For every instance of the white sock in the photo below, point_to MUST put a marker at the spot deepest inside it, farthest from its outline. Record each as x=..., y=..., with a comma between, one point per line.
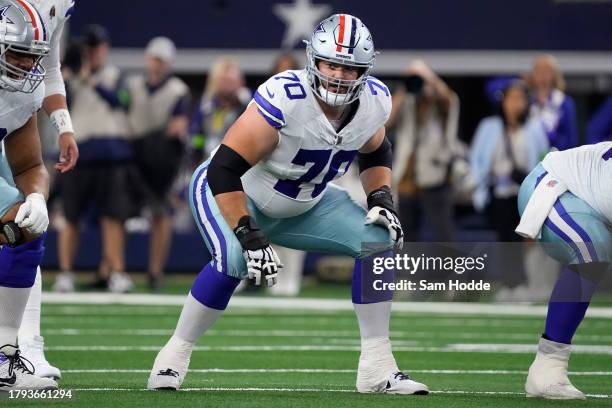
x=12, y=305
x=195, y=320
x=378, y=349
x=373, y=319
x=30, y=324
x=376, y=361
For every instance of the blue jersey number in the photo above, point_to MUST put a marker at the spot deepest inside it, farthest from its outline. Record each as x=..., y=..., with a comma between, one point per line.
x=372, y=84
x=293, y=89
x=607, y=155
x=319, y=160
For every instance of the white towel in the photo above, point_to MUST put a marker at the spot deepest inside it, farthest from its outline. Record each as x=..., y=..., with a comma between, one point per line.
x=540, y=203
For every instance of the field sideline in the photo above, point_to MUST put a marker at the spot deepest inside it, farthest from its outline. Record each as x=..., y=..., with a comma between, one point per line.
x=303, y=352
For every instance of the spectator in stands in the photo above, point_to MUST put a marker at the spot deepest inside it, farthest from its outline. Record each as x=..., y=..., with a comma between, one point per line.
x=284, y=62
x=158, y=118
x=555, y=109
x=103, y=173
x=504, y=149
x=424, y=116
x=225, y=98
x=599, y=128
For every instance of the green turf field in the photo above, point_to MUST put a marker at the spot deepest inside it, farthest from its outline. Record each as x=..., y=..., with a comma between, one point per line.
x=295, y=358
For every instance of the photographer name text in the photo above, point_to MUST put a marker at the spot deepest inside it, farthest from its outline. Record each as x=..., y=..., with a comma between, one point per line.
x=423, y=284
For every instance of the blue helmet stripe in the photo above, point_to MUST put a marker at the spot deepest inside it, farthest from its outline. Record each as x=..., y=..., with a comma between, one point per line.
x=353, y=32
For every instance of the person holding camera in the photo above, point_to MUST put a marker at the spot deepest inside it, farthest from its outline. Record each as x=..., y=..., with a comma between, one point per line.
x=424, y=116
x=505, y=148
x=554, y=108
x=104, y=177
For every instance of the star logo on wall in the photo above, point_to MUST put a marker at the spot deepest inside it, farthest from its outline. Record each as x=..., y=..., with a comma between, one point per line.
x=300, y=18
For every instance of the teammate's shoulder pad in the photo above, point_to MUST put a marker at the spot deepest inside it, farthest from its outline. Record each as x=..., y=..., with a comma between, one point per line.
x=67, y=8
x=277, y=97
x=38, y=96
x=380, y=94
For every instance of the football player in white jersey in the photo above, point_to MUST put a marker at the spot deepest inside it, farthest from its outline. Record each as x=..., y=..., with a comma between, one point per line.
x=54, y=14
x=268, y=182
x=24, y=183
x=566, y=203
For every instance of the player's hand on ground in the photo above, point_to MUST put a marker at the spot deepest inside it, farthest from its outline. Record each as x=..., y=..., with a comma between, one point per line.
x=32, y=214
x=263, y=263
x=69, y=152
x=261, y=260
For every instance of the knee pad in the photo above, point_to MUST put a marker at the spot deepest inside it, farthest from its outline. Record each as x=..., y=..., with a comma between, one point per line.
x=369, y=286
x=212, y=288
x=18, y=264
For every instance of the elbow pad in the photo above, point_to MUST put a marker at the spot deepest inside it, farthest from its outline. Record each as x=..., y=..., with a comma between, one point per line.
x=225, y=170
x=383, y=156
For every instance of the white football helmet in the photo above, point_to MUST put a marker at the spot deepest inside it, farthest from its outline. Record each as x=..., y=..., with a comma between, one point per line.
x=22, y=32
x=341, y=39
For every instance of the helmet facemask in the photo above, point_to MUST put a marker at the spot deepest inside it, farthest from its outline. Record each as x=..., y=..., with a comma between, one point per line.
x=320, y=83
x=15, y=79
x=344, y=40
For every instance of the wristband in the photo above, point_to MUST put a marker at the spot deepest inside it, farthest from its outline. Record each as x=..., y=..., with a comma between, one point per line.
x=381, y=197
x=11, y=232
x=249, y=235
x=61, y=120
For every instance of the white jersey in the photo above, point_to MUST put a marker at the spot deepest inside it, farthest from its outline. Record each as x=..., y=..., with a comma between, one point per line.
x=310, y=153
x=587, y=172
x=16, y=108
x=54, y=14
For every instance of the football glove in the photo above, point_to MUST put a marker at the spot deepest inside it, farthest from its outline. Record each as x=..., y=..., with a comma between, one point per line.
x=261, y=259
x=32, y=214
x=381, y=211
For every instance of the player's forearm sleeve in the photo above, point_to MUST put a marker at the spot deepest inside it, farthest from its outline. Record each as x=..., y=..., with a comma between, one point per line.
x=225, y=170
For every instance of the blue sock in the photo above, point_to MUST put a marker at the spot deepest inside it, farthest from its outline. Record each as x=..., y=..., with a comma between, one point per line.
x=365, y=281
x=568, y=304
x=213, y=288
x=18, y=264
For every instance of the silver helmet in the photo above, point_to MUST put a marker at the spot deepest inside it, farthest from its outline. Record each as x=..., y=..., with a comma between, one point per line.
x=22, y=32
x=340, y=39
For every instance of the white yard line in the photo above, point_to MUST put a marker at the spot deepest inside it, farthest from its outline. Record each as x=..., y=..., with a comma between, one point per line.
x=528, y=335
x=325, y=371
x=450, y=348
x=310, y=304
x=264, y=389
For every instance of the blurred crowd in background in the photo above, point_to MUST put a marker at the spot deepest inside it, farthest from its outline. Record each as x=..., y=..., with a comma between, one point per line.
x=140, y=135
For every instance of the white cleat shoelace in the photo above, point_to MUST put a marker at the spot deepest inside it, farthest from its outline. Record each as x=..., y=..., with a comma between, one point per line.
x=17, y=373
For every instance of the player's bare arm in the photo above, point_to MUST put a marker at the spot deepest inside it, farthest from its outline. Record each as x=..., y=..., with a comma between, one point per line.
x=248, y=141
x=375, y=158
x=252, y=138
x=56, y=107
x=24, y=154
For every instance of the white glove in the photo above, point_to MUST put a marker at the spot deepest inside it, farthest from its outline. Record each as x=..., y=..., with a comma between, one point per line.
x=262, y=262
x=384, y=217
x=32, y=214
